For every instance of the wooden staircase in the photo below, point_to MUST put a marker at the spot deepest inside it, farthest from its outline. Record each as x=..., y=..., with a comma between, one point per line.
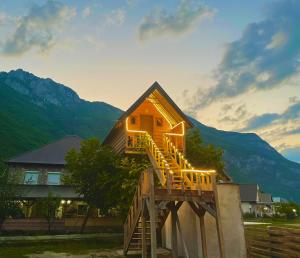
x=149, y=210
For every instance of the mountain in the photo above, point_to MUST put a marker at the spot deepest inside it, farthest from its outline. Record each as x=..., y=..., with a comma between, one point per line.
x=35, y=111
x=249, y=159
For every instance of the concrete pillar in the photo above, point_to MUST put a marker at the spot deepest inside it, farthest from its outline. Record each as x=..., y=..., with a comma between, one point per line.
x=230, y=220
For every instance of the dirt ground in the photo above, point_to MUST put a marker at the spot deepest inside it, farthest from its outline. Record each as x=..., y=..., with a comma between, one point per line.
x=97, y=254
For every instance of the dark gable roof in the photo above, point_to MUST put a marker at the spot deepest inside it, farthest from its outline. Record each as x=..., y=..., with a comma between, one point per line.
x=50, y=154
x=153, y=87
x=265, y=197
x=248, y=192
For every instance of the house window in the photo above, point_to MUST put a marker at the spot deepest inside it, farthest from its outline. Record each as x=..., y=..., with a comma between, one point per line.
x=133, y=120
x=159, y=122
x=53, y=178
x=31, y=177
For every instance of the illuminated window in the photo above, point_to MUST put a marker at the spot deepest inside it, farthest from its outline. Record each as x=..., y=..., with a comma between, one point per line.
x=132, y=120
x=31, y=177
x=159, y=122
x=53, y=178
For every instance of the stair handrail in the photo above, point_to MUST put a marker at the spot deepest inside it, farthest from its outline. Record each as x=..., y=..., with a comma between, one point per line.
x=187, y=170
x=178, y=157
x=133, y=213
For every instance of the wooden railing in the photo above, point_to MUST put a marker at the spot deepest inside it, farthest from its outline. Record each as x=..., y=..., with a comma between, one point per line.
x=134, y=213
x=273, y=241
x=196, y=179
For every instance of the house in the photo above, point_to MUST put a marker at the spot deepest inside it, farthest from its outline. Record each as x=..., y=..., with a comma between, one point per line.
x=40, y=172
x=176, y=203
x=256, y=202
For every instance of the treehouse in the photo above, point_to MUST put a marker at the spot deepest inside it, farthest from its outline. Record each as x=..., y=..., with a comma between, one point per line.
x=154, y=115
x=173, y=194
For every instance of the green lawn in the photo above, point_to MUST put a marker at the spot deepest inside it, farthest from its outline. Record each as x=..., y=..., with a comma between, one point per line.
x=292, y=223
x=22, y=249
x=98, y=247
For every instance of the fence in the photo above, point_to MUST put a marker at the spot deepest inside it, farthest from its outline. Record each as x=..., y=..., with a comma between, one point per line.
x=62, y=225
x=273, y=242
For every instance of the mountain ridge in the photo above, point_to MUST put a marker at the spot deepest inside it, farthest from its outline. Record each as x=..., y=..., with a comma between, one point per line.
x=35, y=111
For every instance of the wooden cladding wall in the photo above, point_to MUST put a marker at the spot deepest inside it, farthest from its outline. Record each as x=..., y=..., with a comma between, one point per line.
x=273, y=242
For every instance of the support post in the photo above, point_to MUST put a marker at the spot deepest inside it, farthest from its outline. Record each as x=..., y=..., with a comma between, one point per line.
x=218, y=221
x=144, y=243
x=174, y=230
x=203, y=237
x=185, y=248
x=151, y=209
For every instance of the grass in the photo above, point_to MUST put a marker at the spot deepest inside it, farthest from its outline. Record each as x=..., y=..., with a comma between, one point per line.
x=100, y=247
x=22, y=249
x=280, y=222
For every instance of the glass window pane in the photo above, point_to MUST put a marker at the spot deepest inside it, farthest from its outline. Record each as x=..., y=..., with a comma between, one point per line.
x=53, y=178
x=31, y=177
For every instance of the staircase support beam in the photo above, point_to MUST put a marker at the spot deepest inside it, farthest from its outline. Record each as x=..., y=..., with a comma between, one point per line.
x=144, y=241
x=151, y=209
x=174, y=230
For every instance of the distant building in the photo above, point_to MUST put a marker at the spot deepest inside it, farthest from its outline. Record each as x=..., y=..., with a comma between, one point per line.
x=40, y=172
x=256, y=202
x=278, y=199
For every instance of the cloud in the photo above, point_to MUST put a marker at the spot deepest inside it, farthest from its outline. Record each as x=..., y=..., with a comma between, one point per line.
x=292, y=153
x=294, y=131
x=86, y=12
x=261, y=121
x=159, y=23
x=115, y=17
x=38, y=29
x=239, y=114
x=265, y=57
x=293, y=99
x=3, y=17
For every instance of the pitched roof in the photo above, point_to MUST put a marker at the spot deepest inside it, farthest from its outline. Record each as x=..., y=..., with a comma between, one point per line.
x=51, y=154
x=265, y=197
x=153, y=87
x=248, y=192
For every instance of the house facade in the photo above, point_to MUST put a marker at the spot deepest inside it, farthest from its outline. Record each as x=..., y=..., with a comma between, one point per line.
x=40, y=172
x=176, y=205
x=255, y=202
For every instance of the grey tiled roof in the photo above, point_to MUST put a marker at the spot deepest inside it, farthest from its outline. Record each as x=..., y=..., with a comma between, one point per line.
x=248, y=192
x=50, y=154
x=265, y=197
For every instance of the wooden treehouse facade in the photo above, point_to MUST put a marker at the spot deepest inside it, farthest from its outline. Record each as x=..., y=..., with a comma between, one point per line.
x=156, y=127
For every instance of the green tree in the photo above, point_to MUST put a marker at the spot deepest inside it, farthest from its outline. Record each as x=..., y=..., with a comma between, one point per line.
x=204, y=156
x=93, y=171
x=289, y=209
x=130, y=171
x=9, y=193
x=49, y=207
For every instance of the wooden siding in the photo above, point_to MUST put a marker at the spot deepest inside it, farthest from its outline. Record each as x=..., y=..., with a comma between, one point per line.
x=273, y=242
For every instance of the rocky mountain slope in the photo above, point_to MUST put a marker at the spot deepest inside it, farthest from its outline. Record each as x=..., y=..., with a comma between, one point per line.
x=35, y=111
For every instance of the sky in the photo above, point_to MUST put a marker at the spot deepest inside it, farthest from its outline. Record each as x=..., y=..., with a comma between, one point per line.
x=233, y=65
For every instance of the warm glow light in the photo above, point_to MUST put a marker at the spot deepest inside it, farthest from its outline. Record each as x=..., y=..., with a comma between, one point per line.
x=199, y=171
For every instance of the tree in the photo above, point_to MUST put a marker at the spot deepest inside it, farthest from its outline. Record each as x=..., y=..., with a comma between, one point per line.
x=289, y=209
x=9, y=206
x=204, y=156
x=93, y=171
x=130, y=169
x=49, y=207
